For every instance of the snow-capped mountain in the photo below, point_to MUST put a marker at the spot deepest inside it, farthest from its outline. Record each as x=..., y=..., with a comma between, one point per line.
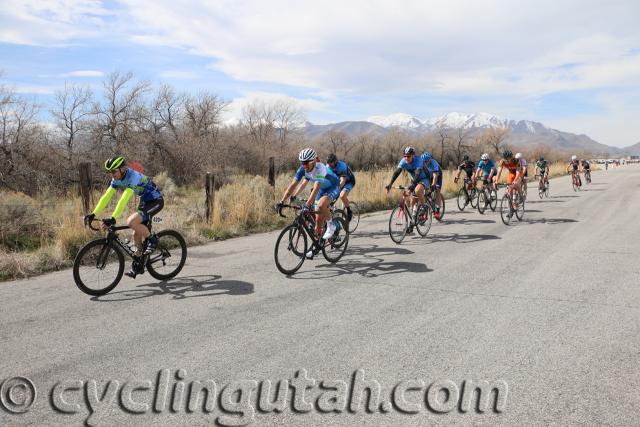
x=397, y=120
x=520, y=132
x=457, y=120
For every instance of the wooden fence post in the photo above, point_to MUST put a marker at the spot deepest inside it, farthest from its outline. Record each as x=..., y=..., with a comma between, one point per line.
x=85, y=185
x=272, y=172
x=209, y=191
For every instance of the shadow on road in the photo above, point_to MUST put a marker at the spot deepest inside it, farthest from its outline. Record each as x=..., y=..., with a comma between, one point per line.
x=467, y=221
x=594, y=189
x=453, y=237
x=365, y=261
x=548, y=221
x=546, y=201
x=562, y=197
x=181, y=288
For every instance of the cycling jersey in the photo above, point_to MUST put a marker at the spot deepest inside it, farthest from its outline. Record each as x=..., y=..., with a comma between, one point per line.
x=575, y=164
x=512, y=164
x=431, y=166
x=142, y=185
x=486, y=166
x=586, y=165
x=343, y=170
x=467, y=166
x=134, y=183
x=415, y=168
x=542, y=166
x=329, y=182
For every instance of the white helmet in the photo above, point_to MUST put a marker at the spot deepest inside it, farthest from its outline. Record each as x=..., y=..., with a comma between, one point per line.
x=574, y=157
x=518, y=155
x=485, y=156
x=307, y=154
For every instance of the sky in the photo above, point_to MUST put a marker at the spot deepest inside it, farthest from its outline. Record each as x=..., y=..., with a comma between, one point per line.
x=572, y=65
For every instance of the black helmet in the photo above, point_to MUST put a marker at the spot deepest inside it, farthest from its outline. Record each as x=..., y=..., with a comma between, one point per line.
x=465, y=157
x=507, y=154
x=332, y=158
x=541, y=158
x=409, y=150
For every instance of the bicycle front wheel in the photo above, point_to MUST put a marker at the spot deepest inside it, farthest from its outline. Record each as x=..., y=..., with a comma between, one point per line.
x=398, y=224
x=291, y=249
x=425, y=218
x=519, y=211
x=494, y=200
x=169, y=257
x=462, y=199
x=482, y=201
x=98, y=267
x=506, y=211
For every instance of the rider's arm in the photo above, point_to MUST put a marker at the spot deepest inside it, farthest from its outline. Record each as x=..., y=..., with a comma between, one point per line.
x=312, y=196
x=104, y=200
x=300, y=188
x=122, y=203
x=343, y=181
x=395, y=176
x=289, y=189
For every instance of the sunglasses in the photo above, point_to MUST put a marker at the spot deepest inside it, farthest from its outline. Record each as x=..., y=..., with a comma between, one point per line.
x=407, y=155
x=306, y=162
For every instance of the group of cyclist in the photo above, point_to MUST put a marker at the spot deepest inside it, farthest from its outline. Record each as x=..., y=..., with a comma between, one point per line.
x=332, y=180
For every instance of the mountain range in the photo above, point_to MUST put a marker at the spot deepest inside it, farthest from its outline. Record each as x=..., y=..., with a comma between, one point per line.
x=522, y=133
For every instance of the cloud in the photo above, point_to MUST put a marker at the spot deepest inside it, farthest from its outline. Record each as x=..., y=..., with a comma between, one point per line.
x=83, y=73
x=389, y=46
x=35, y=89
x=51, y=22
x=234, y=111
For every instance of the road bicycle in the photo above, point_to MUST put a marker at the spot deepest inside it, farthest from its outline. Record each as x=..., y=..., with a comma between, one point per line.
x=575, y=181
x=99, y=264
x=487, y=197
x=587, y=175
x=402, y=221
x=512, y=204
x=468, y=194
x=431, y=201
x=292, y=244
x=543, y=187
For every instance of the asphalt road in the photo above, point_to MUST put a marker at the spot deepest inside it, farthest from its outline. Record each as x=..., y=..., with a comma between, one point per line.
x=547, y=310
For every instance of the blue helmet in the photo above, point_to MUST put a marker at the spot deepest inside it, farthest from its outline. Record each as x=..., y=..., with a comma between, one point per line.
x=426, y=156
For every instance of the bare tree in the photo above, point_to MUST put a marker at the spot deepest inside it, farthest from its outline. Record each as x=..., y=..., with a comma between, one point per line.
x=203, y=114
x=72, y=109
x=495, y=138
x=460, y=139
x=442, y=137
x=289, y=117
x=123, y=108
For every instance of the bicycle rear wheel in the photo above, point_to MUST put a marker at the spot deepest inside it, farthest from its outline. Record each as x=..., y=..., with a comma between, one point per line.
x=355, y=216
x=398, y=224
x=169, y=257
x=506, y=211
x=425, y=218
x=290, y=250
x=98, y=267
x=473, y=198
x=334, y=248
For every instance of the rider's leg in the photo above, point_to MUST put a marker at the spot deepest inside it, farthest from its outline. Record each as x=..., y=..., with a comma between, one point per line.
x=140, y=231
x=344, y=197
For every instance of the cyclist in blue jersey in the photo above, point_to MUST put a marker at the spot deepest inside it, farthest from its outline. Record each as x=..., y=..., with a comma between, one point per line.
x=151, y=202
x=326, y=188
x=487, y=167
x=415, y=166
x=347, y=180
x=434, y=172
